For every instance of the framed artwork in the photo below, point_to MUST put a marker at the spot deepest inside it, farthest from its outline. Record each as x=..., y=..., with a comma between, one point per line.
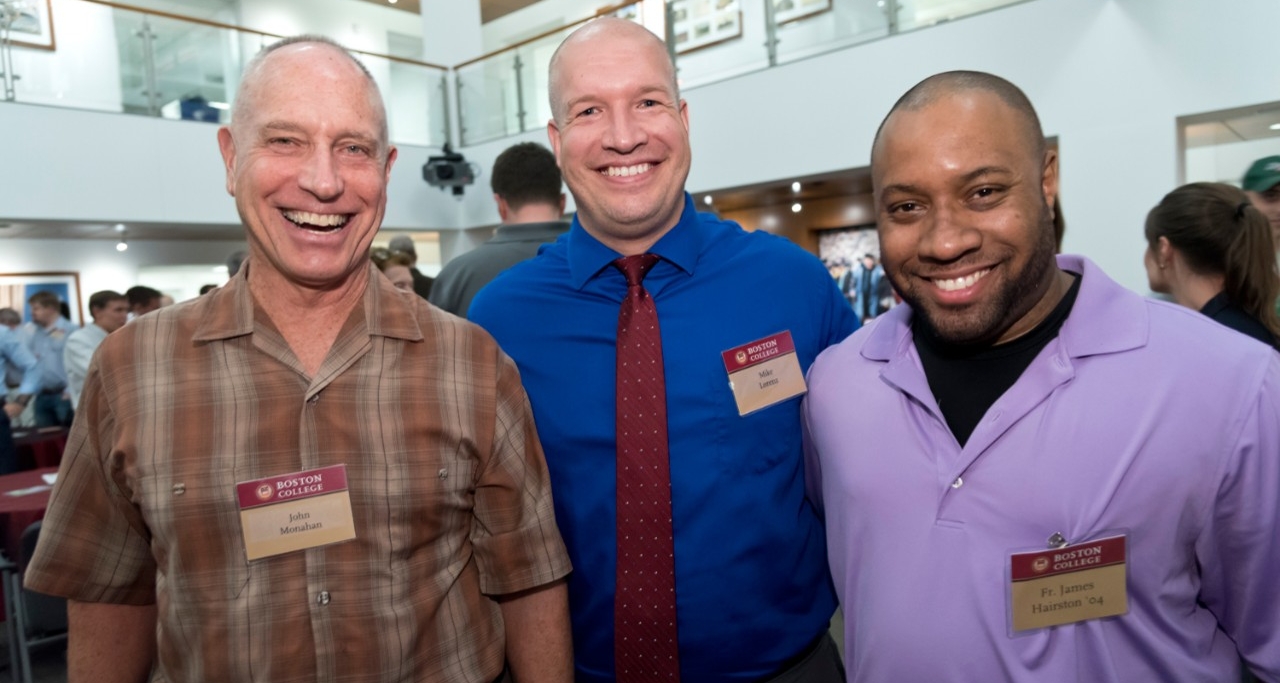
x=16, y=288
x=633, y=12
x=34, y=25
x=699, y=23
x=790, y=10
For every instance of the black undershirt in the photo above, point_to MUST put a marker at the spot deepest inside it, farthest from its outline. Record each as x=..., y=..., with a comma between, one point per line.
x=966, y=381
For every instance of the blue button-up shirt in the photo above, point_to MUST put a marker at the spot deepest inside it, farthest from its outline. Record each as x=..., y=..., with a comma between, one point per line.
x=751, y=586
x=18, y=361
x=47, y=345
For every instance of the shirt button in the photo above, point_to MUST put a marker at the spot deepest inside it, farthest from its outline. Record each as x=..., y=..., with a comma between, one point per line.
x=322, y=598
x=314, y=399
x=957, y=483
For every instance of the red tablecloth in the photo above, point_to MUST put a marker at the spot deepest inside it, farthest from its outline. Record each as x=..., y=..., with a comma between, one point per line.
x=18, y=512
x=39, y=447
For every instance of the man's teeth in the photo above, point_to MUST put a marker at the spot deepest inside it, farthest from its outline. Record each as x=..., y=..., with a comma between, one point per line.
x=622, y=171
x=320, y=220
x=959, y=283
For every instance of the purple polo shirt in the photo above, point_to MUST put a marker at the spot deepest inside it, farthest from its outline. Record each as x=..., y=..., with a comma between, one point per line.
x=1141, y=418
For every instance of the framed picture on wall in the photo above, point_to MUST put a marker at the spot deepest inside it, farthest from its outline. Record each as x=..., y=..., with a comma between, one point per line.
x=16, y=288
x=699, y=23
x=33, y=26
x=790, y=10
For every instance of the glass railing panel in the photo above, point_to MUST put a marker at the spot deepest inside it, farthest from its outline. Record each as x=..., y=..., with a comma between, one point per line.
x=913, y=14
x=414, y=99
x=810, y=27
x=114, y=58
x=188, y=66
x=535, y=58
x=488, y=103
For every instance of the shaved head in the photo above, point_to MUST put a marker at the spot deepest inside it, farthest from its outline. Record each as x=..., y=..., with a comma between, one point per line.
x=248, y=91
x=950, y=83
x=604, y=28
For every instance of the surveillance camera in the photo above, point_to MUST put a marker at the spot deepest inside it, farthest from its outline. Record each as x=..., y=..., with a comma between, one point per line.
x=450, y=170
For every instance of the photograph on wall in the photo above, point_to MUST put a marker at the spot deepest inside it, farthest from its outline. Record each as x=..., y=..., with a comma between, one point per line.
x=631, y=13
x=699, y=23
x=852, y=256
x=17, y=288
x=790, y=10
x=33, y=25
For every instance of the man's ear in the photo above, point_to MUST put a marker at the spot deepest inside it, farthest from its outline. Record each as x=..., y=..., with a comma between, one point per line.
x=227, y=145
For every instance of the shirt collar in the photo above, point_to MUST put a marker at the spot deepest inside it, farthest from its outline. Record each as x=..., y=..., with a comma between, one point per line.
x=230, y=309
x=1106, y=318
x=680, y=246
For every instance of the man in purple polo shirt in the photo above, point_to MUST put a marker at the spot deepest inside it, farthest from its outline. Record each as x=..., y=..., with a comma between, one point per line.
x=1030, y=473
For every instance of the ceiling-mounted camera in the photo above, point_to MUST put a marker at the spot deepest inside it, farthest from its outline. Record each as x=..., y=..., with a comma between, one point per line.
x=450, y=170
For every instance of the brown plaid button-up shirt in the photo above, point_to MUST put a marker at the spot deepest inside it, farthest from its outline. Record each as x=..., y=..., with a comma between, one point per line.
x=448, y=488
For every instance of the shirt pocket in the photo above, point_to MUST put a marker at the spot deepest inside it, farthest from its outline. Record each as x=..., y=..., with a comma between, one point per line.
x=757, y=442
x=196, y=539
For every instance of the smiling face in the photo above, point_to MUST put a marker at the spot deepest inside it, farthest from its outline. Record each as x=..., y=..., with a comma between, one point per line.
x=308, y=163
x=966, y=230
x=620, y=133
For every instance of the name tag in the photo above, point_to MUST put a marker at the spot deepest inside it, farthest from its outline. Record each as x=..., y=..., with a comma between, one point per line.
x=295, y=511
x=764, y=372
x=1068, y=585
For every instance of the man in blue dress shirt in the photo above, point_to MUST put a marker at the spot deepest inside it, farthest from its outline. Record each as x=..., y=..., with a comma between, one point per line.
x=15, y=359
x=752, y=596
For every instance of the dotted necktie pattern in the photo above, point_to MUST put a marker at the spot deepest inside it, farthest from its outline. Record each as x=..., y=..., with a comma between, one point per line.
x=645, y=603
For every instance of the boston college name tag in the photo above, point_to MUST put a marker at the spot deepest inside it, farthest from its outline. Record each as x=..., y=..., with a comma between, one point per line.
x=1069, y=584
x=295, y=511
x=764, y=372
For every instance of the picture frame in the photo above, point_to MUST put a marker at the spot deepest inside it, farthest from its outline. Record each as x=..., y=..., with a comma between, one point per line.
x=701, y=23
x=786, y=11
x=34, y=27
x=16, y=288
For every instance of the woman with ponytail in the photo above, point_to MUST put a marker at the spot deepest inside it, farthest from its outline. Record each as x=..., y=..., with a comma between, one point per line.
x=1212, y=251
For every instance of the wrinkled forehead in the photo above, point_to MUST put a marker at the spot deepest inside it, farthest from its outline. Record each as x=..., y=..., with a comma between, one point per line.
x=305, y=77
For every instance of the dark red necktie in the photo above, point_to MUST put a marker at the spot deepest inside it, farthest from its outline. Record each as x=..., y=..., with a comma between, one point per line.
x=644, y=618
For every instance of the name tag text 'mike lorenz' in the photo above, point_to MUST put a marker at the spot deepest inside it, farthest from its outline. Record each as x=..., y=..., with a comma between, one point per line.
x=295, y=511
x=764, y=372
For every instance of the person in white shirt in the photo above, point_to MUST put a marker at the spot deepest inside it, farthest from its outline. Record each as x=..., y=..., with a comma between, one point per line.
x=110, y=311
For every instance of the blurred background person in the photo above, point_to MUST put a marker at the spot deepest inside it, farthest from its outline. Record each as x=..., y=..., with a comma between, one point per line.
x=142, y=300
x=526, y=186
x=1211, y=250
x=110, y=311
x=46, y=337
x=396, y=266
x=421, y=283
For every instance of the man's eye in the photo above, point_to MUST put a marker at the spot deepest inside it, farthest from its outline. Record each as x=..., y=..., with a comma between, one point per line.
x=649, y=103
x=588, y=111
x=903, y=207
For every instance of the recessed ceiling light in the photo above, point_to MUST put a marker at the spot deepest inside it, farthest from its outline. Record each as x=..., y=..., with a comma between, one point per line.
x=795, y=187
x=707, y=200
x=795, y=208
x=1274, y=126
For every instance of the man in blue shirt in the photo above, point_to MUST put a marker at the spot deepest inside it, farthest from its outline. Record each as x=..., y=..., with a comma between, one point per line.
x=15, y=358
x=46, y=338
x=752, y=597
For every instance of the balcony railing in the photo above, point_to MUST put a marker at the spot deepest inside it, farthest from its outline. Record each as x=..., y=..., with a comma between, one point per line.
x=115, y=57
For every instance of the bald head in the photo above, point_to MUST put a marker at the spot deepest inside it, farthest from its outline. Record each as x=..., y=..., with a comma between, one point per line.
x=611, y=29
x=259, y=69
x=953, y=83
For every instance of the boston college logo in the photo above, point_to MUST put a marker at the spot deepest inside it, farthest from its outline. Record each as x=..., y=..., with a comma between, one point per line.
x=1040, y=564
x=265, y=491
x=741, y=356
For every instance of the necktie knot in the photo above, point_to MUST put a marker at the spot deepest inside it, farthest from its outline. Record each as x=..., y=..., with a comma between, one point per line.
x=636, y=267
